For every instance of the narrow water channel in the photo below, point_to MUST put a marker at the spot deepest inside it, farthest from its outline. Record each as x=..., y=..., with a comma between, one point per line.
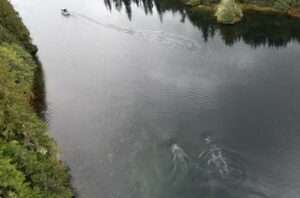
x=151, y=100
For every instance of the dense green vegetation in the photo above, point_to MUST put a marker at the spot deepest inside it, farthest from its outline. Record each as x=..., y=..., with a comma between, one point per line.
x=29, y=166
x=228, y=12
x=12, y=29
x=282, y=8
x=286, y=5
x=280, y=5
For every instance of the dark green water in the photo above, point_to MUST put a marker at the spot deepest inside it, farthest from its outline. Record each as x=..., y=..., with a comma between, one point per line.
x=126, y=82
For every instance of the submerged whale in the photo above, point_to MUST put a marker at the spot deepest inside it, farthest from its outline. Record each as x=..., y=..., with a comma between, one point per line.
x=216, y=159
x=221, y=163
x=180, y=163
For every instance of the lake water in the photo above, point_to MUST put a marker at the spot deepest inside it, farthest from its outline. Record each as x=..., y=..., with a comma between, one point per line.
x=136, y=92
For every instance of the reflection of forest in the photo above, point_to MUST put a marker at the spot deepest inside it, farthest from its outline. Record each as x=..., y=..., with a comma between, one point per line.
x=256, y=29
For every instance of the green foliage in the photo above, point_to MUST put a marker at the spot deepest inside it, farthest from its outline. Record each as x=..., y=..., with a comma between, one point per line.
x=228, y=12
x=12, y=29
x=195, y=3
x=26, y=151
x=28, y=164
x=285, y=5
x=12, y=182
x=42, y=172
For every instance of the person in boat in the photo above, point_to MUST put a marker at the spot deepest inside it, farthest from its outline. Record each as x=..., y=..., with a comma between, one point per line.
x=65, y=12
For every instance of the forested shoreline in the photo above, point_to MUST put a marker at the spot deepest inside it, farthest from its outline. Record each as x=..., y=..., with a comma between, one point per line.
x=257, y=28
x=29, y=167
x=224, y=11
x=231, y=11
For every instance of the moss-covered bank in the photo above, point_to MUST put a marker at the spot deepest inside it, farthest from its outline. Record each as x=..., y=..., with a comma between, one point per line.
x=280, y=7
x=29, y=166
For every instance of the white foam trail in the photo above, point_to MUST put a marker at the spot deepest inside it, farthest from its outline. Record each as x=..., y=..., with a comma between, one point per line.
x=167, y=39
x=97, y=22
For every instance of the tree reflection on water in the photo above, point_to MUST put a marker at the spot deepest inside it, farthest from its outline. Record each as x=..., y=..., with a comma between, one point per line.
x=256, y=29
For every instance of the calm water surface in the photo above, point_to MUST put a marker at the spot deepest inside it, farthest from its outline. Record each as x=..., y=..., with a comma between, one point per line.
x=136, y=92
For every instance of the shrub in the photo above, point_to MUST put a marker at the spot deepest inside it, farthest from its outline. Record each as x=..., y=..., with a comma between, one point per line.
x=228, y=12
x=285, y=5
x=13, y=25
x=28, y=164
x=12, y=182
x=26, y=150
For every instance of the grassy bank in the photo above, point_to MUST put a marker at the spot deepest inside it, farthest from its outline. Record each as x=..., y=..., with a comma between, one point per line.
x=281, y=7
x=28, y=164
x=246, y=7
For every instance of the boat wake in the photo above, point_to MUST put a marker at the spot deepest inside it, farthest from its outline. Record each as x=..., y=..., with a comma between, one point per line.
x=170, y=40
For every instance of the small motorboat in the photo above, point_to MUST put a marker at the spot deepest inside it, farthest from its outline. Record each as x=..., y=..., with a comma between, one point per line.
x=65, y=12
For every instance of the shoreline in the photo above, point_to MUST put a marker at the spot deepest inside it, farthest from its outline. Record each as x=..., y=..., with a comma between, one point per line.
x=246, y=7
x=28, y=154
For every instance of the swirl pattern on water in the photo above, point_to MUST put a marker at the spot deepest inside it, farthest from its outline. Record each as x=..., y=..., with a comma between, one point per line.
x=223, y=164
x=214, y=162
x=217, y=172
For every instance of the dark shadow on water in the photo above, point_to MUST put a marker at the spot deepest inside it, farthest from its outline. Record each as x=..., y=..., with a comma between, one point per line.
x=256, y=29
x=39, y=99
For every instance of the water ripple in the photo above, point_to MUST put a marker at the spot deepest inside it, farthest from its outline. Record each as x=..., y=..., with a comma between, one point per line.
x=167, y=39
